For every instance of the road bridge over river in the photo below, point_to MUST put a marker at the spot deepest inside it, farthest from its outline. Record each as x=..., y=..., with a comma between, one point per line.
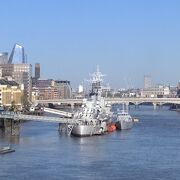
x=137, y=101
x=127, y=101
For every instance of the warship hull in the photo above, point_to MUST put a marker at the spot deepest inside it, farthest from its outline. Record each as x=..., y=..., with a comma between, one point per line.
x=86, y=130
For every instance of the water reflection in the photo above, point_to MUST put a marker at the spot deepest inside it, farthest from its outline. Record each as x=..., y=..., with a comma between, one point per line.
x=8, y=139
x=124, y=134
x=147, y=151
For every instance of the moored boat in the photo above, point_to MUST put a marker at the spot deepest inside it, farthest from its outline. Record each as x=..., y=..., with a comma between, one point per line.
x=124, y=120
x=5, y=150
x=111, y=127
x=94, y=114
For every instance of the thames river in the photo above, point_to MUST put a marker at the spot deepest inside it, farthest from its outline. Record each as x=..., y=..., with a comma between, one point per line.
x=149, y=151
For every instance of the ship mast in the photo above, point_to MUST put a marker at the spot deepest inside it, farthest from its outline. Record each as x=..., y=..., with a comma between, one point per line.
x=96, y=80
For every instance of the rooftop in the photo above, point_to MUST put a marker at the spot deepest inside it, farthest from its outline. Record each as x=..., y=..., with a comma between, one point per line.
x=6, y=82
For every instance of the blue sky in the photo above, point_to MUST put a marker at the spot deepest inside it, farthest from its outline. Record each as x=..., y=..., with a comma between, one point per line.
x=127, y=38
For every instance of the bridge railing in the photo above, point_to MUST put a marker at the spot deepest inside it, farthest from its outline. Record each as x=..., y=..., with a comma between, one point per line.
x=20, y=116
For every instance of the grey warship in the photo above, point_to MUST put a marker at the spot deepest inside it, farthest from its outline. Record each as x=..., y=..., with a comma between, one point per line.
x=94, y=114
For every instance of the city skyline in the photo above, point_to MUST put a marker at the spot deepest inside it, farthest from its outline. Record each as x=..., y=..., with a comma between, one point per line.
x=127, y=39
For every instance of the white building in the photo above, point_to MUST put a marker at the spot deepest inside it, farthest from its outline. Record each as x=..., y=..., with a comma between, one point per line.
x=158, y=91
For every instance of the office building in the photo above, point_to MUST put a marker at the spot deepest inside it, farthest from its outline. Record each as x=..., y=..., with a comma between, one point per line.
x=17, y=55
x=156, y=92
x=64, y=89
x=37, y=71
x=21, y=73
x=178, y=90
x=44, y=89
x=147, y=82
x=4, y=58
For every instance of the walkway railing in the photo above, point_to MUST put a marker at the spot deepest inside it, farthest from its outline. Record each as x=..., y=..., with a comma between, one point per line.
x=19, y=116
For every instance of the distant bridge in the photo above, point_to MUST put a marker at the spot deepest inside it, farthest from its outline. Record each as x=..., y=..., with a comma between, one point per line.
x=135, y=101
x=71, y=102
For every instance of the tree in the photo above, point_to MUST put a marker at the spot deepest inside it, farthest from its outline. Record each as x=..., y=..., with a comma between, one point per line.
x=24, y=101
x=13, y=106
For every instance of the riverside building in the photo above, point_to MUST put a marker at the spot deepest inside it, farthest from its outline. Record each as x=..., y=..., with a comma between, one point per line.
x=21, y=73
x=64, y=89
x=10, y=91
x=44, y=89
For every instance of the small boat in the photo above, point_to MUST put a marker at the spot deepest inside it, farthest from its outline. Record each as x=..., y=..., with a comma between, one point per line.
x=6, y=149
x=111, y=127
x=136, y=120
x=124, y=120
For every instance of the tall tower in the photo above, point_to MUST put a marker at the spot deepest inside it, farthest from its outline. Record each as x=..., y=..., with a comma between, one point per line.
x=147, y=82
x=178, y=90
x=17, y=55
x=37, y=71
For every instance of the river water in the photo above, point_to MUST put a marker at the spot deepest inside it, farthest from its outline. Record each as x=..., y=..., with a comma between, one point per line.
x=149, y=151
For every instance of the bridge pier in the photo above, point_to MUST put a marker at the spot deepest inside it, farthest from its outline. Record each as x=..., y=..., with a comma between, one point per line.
x=155, y=106
x=72, y=106
x=136, y=105
x=62, y=127
x=10, y=127
x=127, y=105
x=160, y=105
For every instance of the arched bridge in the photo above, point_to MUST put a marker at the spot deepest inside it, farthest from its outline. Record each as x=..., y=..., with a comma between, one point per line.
x=138, y=101
x=135, y=101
